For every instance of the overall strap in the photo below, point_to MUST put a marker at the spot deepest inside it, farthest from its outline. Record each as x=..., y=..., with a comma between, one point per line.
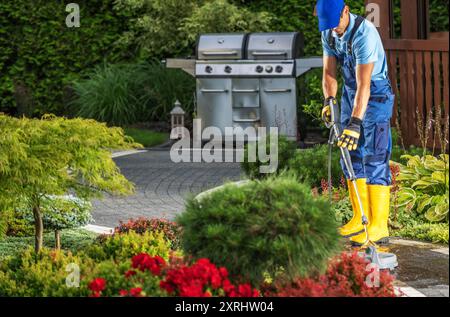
x=358, y=22
x=331, y=40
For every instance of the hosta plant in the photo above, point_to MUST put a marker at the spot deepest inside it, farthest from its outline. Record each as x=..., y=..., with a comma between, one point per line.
x=424, y=186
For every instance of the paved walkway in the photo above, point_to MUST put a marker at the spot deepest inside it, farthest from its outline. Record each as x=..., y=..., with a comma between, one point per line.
x=161, y=186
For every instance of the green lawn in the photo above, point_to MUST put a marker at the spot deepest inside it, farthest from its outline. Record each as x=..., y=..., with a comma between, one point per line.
x=145, y=137
x=73, y=239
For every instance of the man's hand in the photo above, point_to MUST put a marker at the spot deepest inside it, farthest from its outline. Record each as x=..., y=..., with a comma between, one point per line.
x=326, y=111
x=350, y=137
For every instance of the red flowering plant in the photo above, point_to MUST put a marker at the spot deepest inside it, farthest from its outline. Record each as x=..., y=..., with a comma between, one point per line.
x=152, y=276
x=123, y=279
x=338, y=191
x=96, y=286
x=203, y=279
x=171, y=230
x=348, y=275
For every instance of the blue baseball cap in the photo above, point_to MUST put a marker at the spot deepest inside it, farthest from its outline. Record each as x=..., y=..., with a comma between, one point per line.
x=329, y=13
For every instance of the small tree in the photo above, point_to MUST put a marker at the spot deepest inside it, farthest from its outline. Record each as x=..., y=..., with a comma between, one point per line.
x=60, y=212
x=55, y=156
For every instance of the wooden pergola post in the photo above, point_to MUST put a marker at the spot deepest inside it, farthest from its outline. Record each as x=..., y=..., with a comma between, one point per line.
x=415, y=19
x=386, y=18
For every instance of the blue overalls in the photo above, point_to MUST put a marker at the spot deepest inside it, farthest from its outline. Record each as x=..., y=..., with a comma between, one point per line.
x=371, y=159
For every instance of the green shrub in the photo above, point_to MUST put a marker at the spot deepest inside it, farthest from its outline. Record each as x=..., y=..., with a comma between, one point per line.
x=170, y=229
x=109, y=95
x=124, y=246
x=19, y=226
x=431, y=232
x=342, y=210
x=262, y=226
x=73, y=240
x=286, y=150
x=311, y=165
x=60, y=212
x=43, y=274
x=168, y=28
x=124, y=94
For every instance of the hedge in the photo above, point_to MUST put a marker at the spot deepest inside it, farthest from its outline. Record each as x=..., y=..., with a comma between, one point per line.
x=40, y=55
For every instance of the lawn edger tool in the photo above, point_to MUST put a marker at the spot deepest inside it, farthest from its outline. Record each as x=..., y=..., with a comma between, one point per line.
x=383, y=260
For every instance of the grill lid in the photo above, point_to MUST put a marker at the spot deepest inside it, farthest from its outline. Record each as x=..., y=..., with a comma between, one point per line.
x=221, y=46
x=280, y=45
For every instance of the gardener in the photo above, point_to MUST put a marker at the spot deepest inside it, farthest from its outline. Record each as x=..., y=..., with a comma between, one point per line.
x=366, y=109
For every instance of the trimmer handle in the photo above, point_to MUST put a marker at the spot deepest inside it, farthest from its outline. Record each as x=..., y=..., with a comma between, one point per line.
x=335, y=124
x=335, y=116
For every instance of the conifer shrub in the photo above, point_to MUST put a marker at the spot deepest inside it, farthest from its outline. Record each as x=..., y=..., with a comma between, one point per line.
x=261, y=227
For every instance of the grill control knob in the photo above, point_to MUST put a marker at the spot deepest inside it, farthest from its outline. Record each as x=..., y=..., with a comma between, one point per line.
x=269, y=69
x=228, y=69
x=208, y=69
x=279, y=69
x=259, y=69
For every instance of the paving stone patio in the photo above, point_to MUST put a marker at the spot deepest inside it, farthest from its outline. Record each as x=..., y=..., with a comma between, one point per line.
x=161, y=186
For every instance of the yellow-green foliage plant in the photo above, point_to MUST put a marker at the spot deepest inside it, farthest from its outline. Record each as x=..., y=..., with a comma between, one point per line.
x=424, y=186
x=47, y=273
x=124, y=246
x=58, y=156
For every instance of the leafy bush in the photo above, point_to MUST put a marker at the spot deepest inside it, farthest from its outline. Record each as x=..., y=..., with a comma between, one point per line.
x=73, y=240
x=124, y=94
x=123, y=246
x=40, y=55
x=424, y=186
x=342, y=210
x=42, y=274
x=432, y=232
x=260, y=227
x=60, y=212
x=170, y=229
x=311, y=165
x=286, y=150
x=345, y=277
x=161, y=33
x=18, y=226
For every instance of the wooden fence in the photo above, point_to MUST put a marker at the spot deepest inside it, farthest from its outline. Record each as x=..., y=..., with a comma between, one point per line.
x=419, y=74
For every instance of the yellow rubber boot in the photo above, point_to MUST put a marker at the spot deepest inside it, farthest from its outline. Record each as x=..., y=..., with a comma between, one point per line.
x=354, y=226
x=379, y=198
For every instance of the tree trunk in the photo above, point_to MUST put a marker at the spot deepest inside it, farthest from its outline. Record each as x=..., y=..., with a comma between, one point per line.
x=38, y=229
x=57, y=240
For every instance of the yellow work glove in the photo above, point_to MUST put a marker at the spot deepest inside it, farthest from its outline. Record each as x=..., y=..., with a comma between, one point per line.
x=326, y=111
x=350, y=137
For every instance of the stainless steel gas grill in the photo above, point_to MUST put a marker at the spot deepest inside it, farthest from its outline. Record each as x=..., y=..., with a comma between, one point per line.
x=248, y=80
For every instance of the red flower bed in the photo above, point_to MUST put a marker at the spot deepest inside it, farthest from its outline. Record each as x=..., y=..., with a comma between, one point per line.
x=201, y=279
x=347, y=276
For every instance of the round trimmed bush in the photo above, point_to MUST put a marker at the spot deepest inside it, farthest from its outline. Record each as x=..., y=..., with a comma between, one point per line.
x=286, y=150
x=262, y=227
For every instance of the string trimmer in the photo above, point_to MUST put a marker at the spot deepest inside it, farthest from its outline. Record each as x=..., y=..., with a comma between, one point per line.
x=382, y=259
